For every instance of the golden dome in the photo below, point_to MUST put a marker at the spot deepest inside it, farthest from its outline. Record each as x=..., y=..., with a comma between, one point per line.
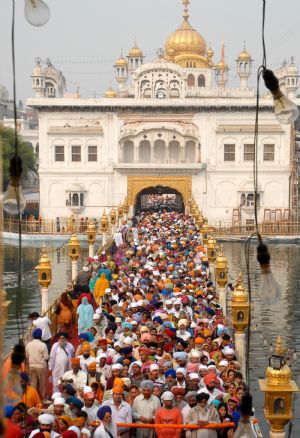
x=186, y=45
x=121, y=62
x=110, y=93
x=185, y=40
x=135, y=52
x=210, y=52
x=220, y=65
x=281, y=376
x=239, y=294
x=244, y=56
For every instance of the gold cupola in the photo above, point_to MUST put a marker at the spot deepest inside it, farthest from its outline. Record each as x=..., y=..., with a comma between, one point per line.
x=135, y=52
x=121, y=62
x=110, y=93
x=186, y=47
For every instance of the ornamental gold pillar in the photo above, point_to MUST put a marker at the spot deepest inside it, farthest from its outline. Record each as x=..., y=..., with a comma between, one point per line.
x=278, y=388
x=74, y=255
x=104, y=227
x=240, y=318
x=91, y=238
x=44, y=278
x=211, y=255
x=221, y=272
x=113, y=220
x=125, y=208
x=120, y=214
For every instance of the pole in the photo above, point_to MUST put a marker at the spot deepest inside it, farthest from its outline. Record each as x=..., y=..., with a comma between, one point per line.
x=45, y=299
x=222, y=299
x=91, y=251
x=239, y=339
x=74, y=269
x=103, y=239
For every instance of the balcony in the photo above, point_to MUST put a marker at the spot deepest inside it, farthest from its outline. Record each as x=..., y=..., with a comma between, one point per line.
x=160, y=168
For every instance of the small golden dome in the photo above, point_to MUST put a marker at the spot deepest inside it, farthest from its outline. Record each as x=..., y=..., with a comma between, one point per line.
x=220, y=65
x=121, y=62
x=244, y=56
x=210, y=53
x=135, y=52
x=110, y=93
x=239, y=294
x=278, y=377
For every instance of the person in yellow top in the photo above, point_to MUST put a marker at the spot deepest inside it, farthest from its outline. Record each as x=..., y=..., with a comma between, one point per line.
x=30, y=395
x=100, y=287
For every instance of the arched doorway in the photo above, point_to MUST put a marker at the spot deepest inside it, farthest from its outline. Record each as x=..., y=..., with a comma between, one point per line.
x=159, y=198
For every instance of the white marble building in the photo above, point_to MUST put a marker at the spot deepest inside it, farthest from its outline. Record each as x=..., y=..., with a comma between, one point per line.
x=174, y=123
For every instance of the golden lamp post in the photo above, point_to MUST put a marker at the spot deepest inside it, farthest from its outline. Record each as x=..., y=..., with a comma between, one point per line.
x=221, y=272
x=113, y=220
x=74, y=249
x=193, y=207
x=278, y=388
x=211, y=256
x=240, y=307
x=204, y=233
x=126, y=208
x=120, y=214
x=44, y=277
x=104, y=227
x=91, y=238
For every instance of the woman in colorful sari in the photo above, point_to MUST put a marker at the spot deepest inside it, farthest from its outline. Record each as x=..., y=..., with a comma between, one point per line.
x=85, y=314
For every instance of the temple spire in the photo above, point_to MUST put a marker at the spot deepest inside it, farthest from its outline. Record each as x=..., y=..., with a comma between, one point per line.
x=186, y=12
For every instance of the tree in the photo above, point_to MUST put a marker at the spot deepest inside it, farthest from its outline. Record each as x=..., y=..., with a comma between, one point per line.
x=7, y=147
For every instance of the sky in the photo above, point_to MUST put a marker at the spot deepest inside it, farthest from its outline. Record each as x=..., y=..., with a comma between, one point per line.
x=84, y=37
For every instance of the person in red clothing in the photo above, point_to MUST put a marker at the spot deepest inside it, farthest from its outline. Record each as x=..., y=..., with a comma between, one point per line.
x=168, y=415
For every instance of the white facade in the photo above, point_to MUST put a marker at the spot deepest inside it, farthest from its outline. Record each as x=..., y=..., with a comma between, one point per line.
x=170, y=118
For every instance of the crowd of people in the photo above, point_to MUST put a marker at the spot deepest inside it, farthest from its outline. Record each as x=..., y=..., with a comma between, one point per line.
x=158, y=202
x=142, y=339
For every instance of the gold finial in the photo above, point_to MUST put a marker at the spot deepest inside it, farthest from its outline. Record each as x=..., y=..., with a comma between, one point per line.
x=279, y=347
x=186, y=13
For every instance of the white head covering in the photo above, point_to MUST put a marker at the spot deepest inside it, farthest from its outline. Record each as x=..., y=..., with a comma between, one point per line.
x=194, y=376
x=181, y=370
x=116, y=366
x=56, y=395
x=46, y=419
x=154, y=367
x=87, y=389
x=59, y=401
x=167, y=395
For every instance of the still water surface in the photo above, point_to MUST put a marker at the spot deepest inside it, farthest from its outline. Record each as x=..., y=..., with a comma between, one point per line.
x=281, y=318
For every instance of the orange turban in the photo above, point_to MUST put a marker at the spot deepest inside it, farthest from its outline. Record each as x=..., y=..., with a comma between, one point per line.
x=199, y=341
x=75, y=361
x=117, y=389
x=209, y=378
x=91, y=366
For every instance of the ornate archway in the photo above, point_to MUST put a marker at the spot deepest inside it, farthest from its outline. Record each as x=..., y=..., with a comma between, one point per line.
x=182, y=184
x=159, y=198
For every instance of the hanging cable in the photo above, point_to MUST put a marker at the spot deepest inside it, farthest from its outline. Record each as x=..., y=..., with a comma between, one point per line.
x=16, y=169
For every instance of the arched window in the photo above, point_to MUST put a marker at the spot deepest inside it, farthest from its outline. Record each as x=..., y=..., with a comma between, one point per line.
x=174, y=152
x=145, y=151
x=201, y=81
x=190, y=152
x=174, y=93
x=191, y=80
x=161, y=93
x=243, y=199
x=159, y=151
x=250, y=199
x=81, y=199
x=128, y=152
x=75, y=200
